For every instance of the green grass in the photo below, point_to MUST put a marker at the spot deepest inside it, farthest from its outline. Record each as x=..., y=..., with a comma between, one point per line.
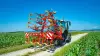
x=13, y=48
x=89, y=45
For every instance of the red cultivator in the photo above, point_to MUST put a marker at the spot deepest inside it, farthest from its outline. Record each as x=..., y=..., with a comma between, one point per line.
x=47, y=29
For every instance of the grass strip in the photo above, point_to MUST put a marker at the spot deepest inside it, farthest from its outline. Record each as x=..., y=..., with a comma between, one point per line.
x=75, y=33
x=13, y=48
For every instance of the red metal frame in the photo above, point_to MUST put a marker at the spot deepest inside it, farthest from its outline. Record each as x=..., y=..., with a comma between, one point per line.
x=45, y=36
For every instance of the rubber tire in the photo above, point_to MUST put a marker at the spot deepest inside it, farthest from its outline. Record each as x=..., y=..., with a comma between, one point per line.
x=68, y=39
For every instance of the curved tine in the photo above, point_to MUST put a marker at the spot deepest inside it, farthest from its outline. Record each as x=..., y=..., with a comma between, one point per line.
x=30, y=14
x=30, y=18
x=29, y=23
x=30, y=27
x=33, y=19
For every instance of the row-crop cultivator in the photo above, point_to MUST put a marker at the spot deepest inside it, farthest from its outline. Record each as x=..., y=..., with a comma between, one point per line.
x=47, y=30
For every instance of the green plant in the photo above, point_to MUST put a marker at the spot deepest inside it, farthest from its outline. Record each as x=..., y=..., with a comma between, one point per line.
x=89, y=45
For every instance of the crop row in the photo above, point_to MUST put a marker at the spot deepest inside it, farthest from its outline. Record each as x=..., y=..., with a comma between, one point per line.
x=11, y=39
x=89, y=45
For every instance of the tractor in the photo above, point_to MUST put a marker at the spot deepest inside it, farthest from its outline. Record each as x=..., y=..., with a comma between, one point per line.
x=64, y=33
x=47, y=29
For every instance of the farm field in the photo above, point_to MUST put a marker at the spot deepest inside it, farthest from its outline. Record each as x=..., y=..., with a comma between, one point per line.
x=89, y=45
x=12, y=41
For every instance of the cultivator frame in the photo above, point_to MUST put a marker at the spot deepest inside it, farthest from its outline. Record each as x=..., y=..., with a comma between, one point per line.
x=54, y=31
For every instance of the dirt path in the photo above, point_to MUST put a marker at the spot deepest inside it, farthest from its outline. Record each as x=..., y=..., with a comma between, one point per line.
x=43, y=53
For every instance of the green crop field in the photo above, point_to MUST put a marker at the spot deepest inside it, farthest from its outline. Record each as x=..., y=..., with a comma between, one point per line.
x=12, y=41
x=89, y=45
x=16, y=38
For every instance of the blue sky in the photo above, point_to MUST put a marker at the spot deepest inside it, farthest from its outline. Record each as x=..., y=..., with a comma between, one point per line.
x=84, y=14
